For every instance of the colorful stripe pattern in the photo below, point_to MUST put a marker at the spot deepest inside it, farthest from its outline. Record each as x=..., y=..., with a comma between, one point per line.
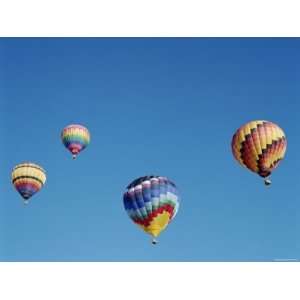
x=75, y=138
x=259, y=146
x=151, y=202
x=28, y=179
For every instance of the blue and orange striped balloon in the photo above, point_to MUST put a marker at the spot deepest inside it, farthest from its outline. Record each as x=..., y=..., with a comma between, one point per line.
x=151, y=202
x=75, y=138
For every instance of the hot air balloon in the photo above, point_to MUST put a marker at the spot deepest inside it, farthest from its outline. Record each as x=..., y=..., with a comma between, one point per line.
x=259, y=146
x=151, y=202
x=75, y=138
x=28, y=178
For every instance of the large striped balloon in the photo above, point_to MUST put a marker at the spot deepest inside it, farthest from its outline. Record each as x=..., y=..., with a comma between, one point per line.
x=75, y=138
x=28, y=178
x=151, y=202
x=259, y=146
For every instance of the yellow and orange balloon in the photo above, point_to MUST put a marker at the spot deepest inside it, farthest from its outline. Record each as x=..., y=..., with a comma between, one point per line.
x=259, y=146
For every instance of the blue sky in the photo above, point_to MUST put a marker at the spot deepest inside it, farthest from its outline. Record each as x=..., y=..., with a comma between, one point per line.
x=153, y=106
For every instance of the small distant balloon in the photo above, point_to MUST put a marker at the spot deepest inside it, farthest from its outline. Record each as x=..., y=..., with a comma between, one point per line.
x=28, y=178
x=259, y=146
x=151, y=202
x=75, y=138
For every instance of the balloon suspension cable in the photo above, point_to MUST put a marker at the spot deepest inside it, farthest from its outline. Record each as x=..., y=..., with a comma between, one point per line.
x=154, y=241
x=268, y=181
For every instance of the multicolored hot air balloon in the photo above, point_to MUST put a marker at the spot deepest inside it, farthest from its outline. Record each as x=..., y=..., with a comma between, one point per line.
x=151, y=202
x=259, y=146
x=75, y=138
x=28, y=178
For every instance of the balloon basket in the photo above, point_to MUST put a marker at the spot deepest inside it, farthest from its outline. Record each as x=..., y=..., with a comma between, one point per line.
x=268, y=182
x=154, y=241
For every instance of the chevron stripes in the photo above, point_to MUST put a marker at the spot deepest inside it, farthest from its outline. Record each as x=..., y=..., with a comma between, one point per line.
x=259, y=146
x=151, y=202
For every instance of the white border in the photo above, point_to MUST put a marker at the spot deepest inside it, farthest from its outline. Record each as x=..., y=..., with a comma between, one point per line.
x=141, y=18
x=88, y=281
x=149, y=280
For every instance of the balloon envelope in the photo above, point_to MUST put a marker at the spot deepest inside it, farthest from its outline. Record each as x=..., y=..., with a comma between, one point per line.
x=259, y=146
x=151, y=202
x=28, y=178
x=75, y=138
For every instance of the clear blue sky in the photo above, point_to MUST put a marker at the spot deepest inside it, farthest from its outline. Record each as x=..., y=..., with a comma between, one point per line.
x=153, y=106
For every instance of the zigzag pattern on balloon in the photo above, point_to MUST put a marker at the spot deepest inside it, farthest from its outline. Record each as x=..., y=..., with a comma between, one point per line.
x=259, y=146
x=151, y=202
